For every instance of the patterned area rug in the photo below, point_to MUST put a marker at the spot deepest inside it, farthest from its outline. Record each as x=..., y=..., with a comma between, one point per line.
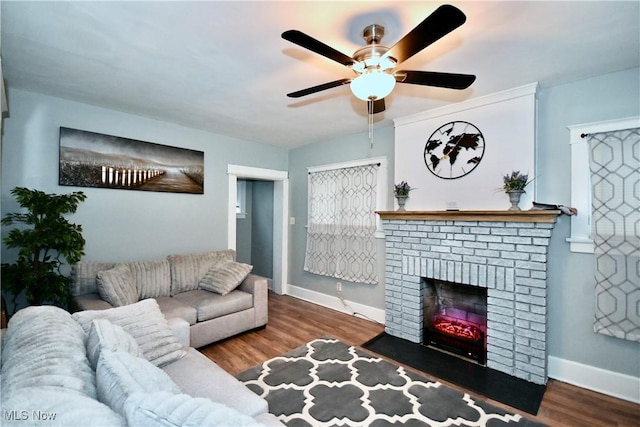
x=328, y=383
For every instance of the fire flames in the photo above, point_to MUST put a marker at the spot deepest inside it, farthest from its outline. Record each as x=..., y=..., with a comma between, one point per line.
x=458, y=329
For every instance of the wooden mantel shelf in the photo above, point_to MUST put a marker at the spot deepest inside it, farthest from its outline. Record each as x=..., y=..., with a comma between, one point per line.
x=490, y=216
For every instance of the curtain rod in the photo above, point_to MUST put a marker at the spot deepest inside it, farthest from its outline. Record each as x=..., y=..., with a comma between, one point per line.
x=343, y=165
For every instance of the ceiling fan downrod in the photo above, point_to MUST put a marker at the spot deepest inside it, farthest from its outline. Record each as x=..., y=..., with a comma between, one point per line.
x=372, y=56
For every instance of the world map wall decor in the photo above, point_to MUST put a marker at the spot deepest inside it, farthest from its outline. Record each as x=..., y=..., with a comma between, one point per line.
x=89, y=159
x=454, y=150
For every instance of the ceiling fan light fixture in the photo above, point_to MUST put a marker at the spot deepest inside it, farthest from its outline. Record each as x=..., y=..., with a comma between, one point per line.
x=374, y=84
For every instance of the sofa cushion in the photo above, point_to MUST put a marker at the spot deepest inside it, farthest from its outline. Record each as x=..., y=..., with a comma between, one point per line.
x=44, y=347
x=172, y=307
x=120, y=374
x=117, y=286
x=166, y=409
x=198, y=376
x=61, y=408
x=210, y=305
x=152, y=278
x=83, y=276
x=146, y=324
x=225, y=277
x=104, y=335
x=188, y=269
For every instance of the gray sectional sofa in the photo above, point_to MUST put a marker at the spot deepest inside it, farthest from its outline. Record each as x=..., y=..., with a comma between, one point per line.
x=116, y=367
x=181, y=284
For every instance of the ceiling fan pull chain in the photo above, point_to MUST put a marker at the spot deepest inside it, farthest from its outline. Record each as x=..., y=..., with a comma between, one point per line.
x=370, y=118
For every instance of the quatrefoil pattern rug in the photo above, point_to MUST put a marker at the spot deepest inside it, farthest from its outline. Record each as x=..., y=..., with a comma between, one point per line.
x=328, y=383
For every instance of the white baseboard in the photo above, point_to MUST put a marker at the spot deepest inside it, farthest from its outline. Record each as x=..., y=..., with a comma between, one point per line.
x=335, y=303
x=599, y=380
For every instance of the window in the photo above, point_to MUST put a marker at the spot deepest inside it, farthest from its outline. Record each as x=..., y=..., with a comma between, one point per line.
x=581, y=240
x=342, y=224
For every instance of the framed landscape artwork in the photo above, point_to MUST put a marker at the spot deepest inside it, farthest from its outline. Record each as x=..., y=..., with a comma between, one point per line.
x=89, y=159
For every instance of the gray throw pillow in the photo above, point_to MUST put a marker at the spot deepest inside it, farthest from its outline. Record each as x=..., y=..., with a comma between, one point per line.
x=146, y=324
x=104, y=335
x=120, y=374
x=188, y=269
x=225, y=277
x=117, y=286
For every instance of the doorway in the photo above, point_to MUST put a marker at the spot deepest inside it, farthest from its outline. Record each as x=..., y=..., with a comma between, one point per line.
x=280, y=182
x=254, y=226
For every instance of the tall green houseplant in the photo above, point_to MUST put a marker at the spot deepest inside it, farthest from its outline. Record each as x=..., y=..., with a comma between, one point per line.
x=45, y=239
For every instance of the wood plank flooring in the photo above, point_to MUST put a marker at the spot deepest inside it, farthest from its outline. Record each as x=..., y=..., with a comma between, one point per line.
x=293, y=322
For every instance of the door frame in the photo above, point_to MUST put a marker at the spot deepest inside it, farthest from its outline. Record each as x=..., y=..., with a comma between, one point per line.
x=280, y=216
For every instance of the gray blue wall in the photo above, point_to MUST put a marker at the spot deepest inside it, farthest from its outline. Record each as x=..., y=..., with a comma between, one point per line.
x=262, y=228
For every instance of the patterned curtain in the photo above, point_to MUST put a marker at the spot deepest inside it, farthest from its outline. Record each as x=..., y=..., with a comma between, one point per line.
x=342, y=223
x=615, y=227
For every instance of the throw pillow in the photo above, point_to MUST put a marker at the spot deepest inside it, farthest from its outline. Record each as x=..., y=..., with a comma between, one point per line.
x=188, y=269
x=121, y=374
x=104, y=335
x=146, y=324
x=117, y=286
x=166, y=409
x=224, y=278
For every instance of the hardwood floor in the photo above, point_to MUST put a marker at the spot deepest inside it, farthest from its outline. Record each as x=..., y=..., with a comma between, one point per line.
x=293, y=322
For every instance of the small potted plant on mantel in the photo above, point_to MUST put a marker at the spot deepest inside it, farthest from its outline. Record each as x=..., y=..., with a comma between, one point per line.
x=401, y=192
x=514, y=185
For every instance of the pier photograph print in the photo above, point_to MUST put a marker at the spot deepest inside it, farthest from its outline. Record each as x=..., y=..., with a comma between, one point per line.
x=89, y=159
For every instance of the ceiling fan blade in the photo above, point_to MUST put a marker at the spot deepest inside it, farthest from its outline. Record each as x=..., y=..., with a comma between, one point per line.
x=430, y=78
x=308, y=42
x=314, y=89
x=377, y=107
x=441, y=22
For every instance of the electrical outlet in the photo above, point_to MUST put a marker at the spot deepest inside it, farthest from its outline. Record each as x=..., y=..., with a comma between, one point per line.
x=339, y=287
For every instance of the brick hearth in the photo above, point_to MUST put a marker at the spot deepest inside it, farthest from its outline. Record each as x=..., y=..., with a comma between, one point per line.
x=505, y=252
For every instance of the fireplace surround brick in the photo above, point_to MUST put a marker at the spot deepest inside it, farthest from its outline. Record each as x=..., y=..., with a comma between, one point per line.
x=508, y=258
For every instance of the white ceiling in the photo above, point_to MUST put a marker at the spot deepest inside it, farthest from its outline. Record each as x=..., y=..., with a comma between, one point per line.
x=223, y=67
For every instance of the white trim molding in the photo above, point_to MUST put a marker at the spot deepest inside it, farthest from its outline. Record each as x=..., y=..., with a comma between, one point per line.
x=580, y=240
x=280, y=216
x=611, y=383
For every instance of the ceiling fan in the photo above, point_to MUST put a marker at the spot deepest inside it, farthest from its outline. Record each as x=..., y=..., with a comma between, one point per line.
x=374, y=64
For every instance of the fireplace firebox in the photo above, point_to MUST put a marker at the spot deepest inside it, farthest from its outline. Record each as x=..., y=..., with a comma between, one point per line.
x=455, y=318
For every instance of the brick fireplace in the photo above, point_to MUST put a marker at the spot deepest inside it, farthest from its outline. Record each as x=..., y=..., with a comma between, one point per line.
x=504, y=252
